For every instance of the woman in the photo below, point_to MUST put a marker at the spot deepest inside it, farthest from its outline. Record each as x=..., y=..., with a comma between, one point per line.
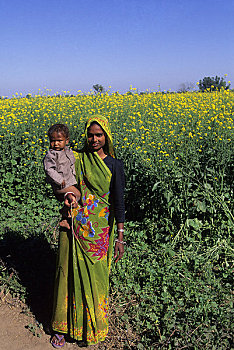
x=82, y=277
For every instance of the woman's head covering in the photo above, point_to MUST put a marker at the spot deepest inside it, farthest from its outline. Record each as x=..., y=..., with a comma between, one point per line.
x=104, y=124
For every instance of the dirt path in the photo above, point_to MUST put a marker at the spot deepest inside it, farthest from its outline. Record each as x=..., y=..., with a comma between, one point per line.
x=14, y=334
x=20, y=331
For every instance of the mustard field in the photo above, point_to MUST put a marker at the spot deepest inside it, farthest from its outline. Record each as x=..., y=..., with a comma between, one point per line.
x=174, y=284
x=150, y=125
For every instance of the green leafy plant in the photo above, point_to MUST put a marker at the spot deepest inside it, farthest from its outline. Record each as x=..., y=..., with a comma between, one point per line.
x=173, y=288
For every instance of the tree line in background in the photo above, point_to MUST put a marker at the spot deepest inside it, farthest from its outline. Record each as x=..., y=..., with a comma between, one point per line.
x=213, y=84
x=207, y=84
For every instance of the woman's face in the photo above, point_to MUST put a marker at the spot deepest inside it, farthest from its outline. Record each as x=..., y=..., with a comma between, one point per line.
x=96, y=138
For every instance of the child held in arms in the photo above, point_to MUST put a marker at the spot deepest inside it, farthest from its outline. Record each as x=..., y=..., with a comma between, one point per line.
x=60, y=170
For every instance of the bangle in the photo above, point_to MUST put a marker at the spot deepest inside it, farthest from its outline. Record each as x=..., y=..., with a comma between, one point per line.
x=69, y=193
x=120, y=230
x=121, y=242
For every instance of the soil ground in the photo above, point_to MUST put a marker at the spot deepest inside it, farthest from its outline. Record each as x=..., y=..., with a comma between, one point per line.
x=19, y=330
x=15, y=333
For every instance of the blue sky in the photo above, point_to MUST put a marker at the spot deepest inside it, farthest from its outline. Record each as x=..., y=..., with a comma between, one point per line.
x=70, y=45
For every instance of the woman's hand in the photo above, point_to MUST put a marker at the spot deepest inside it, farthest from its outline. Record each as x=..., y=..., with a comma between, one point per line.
x=119, y=243
x=119, y=251
x=70, y=200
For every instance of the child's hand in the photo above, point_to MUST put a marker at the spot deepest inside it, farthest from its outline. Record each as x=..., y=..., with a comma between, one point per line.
x=63, y=184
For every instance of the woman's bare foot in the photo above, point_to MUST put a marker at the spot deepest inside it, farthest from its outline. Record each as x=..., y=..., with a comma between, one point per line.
x=65, y=224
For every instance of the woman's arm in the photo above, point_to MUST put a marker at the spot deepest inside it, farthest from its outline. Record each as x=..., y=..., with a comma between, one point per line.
x=118, y=200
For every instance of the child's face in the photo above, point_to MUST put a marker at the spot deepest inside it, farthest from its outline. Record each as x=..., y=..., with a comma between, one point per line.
x=58, y=141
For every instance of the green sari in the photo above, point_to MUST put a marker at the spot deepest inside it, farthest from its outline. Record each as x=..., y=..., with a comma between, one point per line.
x=84, y=257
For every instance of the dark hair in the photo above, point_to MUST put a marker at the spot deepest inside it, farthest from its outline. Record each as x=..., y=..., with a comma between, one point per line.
x=59, y=128
x=94, y=122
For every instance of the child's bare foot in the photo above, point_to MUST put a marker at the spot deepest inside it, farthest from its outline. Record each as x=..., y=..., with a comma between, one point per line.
x=65, y=224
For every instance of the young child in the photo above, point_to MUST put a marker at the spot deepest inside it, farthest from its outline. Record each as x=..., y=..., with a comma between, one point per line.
x=60, y=169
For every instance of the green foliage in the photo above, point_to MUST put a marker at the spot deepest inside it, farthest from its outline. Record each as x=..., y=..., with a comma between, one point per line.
x=35, y=329
x=175, y=294
x=99, y=89
x=10, y=282
x=173, y=285
x=212, y=84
